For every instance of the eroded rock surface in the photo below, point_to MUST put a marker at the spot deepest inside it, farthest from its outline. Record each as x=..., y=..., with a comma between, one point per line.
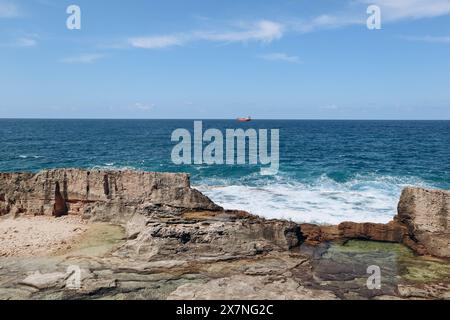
x=103, y=195
x=206, y=235
x=178, y=244
x=426, y=214
x=242, y=287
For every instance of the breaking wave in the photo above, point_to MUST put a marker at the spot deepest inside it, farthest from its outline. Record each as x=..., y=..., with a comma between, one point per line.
x=321, y=201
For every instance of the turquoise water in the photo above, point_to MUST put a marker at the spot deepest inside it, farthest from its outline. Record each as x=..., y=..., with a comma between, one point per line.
x=330, y=171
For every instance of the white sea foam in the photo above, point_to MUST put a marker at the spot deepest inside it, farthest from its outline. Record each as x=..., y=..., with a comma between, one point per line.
x=22, y=156
x=324, y=201
x=112, y=167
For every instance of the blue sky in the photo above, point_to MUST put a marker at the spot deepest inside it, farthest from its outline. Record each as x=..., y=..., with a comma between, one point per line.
x=284, y=59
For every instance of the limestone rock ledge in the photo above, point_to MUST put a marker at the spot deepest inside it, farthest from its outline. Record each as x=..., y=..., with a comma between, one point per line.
x=109, y=195
x=426, y=214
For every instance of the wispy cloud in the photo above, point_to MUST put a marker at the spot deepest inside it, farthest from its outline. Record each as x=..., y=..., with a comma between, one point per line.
x=431, y=39
x=329, y=107
x=157, y=42
x=283, y=57
x=83, y=58
x=21, y=41
x=267, y=31
x=263, y=31
x=144, y=106
x=393, y=10
x=8, y=10
x=26, y=42
x=325, y=21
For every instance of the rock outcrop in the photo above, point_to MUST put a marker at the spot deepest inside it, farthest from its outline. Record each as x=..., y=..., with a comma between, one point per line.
x=205, y=235
x=176, y=243
x=426, y=215
x=391, y=232
x=173, y=235
x=161, y=213
x=422, y=223
x=96, y=194
x=143, y=199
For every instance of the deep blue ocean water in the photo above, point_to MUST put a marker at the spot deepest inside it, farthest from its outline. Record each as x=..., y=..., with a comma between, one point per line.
x=330, y=171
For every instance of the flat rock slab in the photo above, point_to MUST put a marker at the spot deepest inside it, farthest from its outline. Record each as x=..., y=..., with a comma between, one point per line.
x=44, y=281
x=241, y=287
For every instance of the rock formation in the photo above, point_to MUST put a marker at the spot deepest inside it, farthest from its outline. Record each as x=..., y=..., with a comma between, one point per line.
x=179, y=244
x=221, y=235
x=426, y=214
x=143, y=199
x=422, y=223
x=391, y=232
x=160, y=211
x=96, y=194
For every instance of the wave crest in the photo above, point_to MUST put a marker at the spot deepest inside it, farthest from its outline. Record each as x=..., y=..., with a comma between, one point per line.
x=369, y=198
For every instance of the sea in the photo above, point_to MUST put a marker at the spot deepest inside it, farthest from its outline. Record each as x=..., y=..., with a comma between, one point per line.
x=330, y=171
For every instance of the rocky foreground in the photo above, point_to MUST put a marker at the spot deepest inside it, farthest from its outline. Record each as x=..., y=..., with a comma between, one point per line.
x=151, y=236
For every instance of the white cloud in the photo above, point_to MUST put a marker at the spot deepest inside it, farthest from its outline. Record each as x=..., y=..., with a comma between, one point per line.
x=157, y=42
x=281, y=57
x=26, y=42
x=431, y=39
x=264, y=31
x=144, y=106
x=411, y=9
x=330, y=107
x=22, y=41
x=84, y=58
x=267, y=31
x=325, y=21
x=8, y=10
x=391, y=11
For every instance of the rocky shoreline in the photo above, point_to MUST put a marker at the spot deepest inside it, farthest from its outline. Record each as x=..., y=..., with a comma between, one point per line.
x=177, y=244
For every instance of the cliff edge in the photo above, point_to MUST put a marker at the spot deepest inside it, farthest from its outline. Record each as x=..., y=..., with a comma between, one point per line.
x=96, y=194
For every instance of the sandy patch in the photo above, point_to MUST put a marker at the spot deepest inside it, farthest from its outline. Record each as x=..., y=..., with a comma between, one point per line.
x=31, y=236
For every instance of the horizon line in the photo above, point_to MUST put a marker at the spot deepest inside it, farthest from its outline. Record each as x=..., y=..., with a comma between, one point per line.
x=229, y=119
